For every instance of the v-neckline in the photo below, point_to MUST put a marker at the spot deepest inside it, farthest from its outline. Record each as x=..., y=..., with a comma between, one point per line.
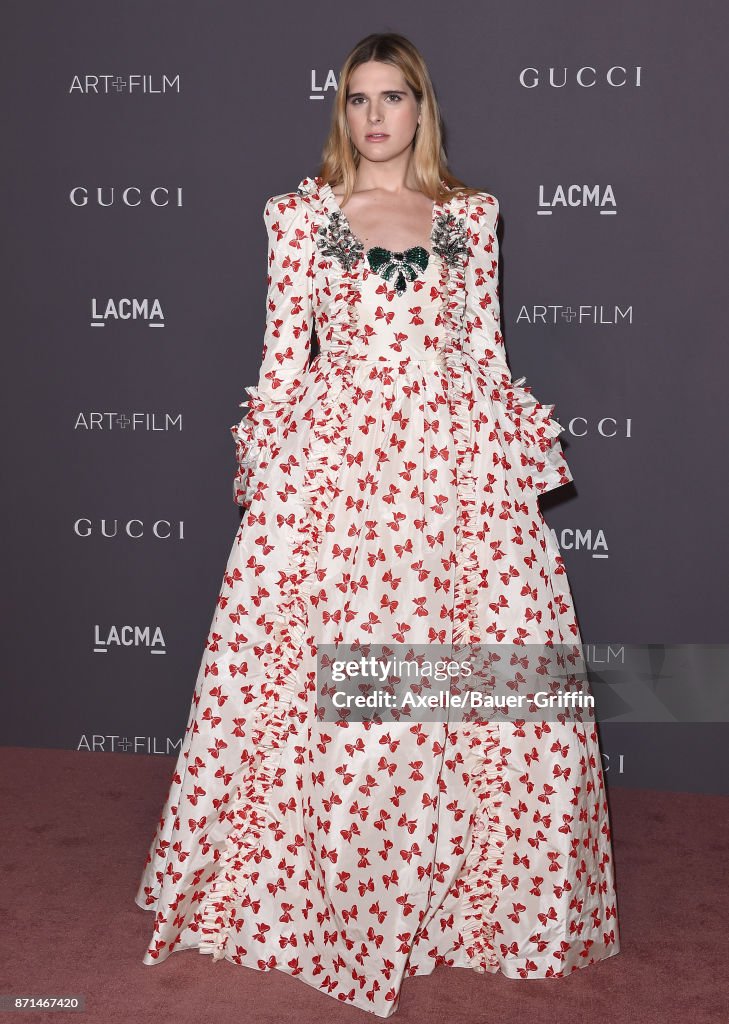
x=392, y=252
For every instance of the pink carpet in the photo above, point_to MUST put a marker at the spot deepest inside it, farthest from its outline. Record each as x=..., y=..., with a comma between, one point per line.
x=75, y=833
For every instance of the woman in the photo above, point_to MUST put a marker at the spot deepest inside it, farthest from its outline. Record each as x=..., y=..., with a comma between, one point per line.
x=391, y=491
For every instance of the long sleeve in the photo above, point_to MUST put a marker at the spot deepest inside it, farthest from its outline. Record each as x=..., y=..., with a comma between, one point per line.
x=287, y=337
x=528, y=430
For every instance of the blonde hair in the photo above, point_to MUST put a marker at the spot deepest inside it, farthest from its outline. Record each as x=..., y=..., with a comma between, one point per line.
x=340, y=158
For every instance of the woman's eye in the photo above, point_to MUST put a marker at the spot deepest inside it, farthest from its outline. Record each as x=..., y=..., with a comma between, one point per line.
x=392, y=95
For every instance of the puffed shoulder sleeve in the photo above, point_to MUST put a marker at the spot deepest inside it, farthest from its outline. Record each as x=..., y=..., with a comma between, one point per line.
x=287, y=336
x=528, y=431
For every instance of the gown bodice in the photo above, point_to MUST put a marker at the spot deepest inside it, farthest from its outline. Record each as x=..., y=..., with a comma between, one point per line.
x=408, y=321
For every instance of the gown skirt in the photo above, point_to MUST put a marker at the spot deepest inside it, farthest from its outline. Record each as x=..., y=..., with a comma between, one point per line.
x=390, y=492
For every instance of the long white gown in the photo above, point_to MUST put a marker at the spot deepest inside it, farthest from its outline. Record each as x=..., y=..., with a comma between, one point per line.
x=391, y=493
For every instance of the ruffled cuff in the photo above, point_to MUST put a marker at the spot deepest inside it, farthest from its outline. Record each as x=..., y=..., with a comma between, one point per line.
x=249, y=440
x=253, y=435
x=531, y=434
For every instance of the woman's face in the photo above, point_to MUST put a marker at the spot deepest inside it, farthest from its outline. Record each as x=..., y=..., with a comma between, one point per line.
x=380, y=101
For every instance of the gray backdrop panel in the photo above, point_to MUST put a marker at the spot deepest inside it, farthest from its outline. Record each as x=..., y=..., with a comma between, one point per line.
x=638, y=377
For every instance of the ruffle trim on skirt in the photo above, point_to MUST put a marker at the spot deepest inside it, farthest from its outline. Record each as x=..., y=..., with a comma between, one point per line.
x=252, y=811
x=468, y=577
x=485, y=763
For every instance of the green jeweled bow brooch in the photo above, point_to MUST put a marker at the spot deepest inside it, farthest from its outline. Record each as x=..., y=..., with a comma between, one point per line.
x=405, y=264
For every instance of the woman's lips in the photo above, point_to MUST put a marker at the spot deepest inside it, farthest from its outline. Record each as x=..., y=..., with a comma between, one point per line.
x=377, y=137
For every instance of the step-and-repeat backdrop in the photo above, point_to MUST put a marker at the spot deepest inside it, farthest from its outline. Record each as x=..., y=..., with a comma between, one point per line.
x=141, y=143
